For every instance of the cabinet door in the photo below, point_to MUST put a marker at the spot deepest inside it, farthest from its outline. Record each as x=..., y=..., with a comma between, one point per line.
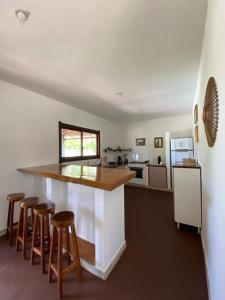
x=158, y=176
x=187, y=196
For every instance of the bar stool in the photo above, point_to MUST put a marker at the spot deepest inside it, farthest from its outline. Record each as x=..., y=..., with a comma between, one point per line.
x=61, y=222
x=12, y=198
x=41, y=231
x=26, y=222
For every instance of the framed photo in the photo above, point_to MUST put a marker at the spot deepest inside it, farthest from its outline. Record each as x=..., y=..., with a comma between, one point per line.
x=158, y=142
x=196, y=114
x=140, y=142
x=196, y=134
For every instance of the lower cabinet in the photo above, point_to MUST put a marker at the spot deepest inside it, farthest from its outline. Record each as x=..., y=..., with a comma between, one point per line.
x=157, y=176
x=187, y=196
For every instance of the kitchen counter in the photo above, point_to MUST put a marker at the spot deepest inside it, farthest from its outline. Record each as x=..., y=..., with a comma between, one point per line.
x=96, y=196
x=157, y=165
x=187, y=195
x=93, y=176
x=182, y=165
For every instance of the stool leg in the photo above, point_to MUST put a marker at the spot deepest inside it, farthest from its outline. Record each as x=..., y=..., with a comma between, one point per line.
x=34, y=236
x=48, y=231
x=11, y=224
x=60, y=245
x=42, y=240
x=32, y=216
x=51, y=256
x=24, y=249
x=68, y=244
x=75, y=246
x=19, y=229
x=8, y=221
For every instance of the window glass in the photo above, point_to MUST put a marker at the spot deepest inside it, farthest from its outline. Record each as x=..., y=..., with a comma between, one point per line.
x=89, y=144
x=71, y=143
x=77, y=143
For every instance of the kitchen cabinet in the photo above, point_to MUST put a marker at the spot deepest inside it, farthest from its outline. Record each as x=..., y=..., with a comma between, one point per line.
x=157, y=176
x=187, y=195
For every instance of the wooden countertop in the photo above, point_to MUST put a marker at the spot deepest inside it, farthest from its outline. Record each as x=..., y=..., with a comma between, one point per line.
x=99, y=177
x=157, y=165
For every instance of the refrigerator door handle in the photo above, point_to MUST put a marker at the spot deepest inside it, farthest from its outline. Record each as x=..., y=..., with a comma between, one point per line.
x=182, y=150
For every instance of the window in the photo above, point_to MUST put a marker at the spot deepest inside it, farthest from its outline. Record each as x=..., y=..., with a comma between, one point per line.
x=77, y=143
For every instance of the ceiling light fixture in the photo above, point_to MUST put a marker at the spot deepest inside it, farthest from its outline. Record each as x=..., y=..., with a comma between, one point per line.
x=22, y=15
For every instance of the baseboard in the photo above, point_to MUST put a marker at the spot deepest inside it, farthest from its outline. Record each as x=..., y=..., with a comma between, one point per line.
x=103, y=274
x=141, y=186
x=114, y=260
x=206, y=268
x=162, y=189
x=2, y=232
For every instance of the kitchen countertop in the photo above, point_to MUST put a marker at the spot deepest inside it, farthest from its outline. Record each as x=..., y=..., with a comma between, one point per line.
x=94, y=176
x=182, y=165
x=156, y=165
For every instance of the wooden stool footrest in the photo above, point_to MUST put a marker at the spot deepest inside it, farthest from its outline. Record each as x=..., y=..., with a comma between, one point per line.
x=70, y=268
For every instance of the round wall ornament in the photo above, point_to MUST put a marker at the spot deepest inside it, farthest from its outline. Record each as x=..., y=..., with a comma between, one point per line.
x=211, y=112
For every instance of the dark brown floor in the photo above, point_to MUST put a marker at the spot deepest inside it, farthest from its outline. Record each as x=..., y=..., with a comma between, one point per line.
x=160, y=263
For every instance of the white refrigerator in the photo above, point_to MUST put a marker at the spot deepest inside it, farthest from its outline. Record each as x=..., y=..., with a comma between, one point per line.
x=180, y=148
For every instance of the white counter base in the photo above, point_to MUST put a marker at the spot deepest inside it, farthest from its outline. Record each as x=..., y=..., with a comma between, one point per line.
x=187, y=196
x=99, y=218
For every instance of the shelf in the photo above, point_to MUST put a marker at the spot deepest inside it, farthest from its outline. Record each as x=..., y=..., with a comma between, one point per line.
x=116, y=150
x=86, y=250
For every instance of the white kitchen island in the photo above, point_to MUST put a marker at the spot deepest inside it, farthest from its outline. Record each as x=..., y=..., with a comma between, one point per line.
x=96, y=196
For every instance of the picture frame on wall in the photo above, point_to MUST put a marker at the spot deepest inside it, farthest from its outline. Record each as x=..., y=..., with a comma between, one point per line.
x=196, y=114
x=140, y=142
x=158, y=142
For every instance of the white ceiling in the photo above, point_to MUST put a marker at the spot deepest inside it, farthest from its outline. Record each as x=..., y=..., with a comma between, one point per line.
x=86, y=52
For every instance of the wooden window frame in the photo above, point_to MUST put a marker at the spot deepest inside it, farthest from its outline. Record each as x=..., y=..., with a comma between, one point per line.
x=82, y=130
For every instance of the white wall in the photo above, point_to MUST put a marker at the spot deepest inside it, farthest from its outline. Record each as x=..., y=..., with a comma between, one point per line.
x=213, y=159
x=29, y=136
x=178, y=126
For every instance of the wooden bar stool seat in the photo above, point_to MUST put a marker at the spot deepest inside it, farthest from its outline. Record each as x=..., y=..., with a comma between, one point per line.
x=30, y=202
x=41, y=231
x=63, y=219
x=26, y=222
x=62, y=222
x=12, y=198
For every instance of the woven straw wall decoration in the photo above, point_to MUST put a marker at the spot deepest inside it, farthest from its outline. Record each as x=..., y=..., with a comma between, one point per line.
x=211, y=112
